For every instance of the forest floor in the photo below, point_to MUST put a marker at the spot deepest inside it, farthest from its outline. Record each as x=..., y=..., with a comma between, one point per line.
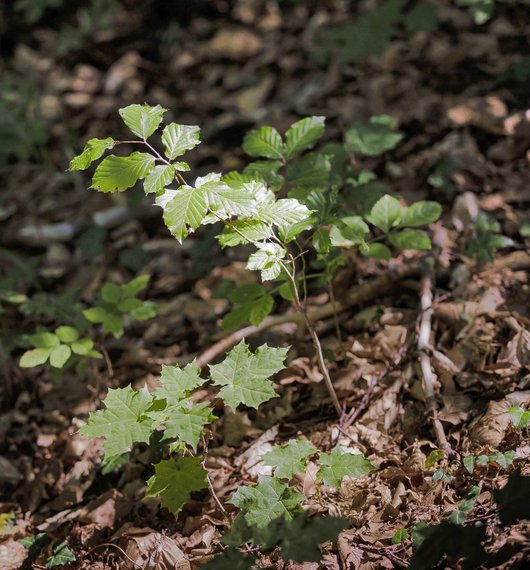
x=229, y=67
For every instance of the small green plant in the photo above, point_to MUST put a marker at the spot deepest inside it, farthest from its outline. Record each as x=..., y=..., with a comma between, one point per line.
x=61, y=553
x=502, y=459
x=115, y=303
x=486, y=239
x=57, y=348
x=293, y=207
x=372, y=31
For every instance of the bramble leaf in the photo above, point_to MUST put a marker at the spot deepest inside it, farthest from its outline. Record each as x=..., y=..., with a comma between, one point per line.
x=175, y=480
x=177, y=139
x=122, y=422
x=117, y=173
x=93, y=150
x=303, y=135
x=266, y=501
x=244, y=376
x=263, y=142
x=338, y=464
x=289, y=459
x=143, y=120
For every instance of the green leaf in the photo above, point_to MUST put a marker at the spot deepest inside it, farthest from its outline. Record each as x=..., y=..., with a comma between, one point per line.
x=348, y=231
x=117, y=173
x=268, y=260
x=59, y=355
x=93, y=150
x=283, y=213
x=34, y=357
x=143, y=120
x=111, y=293
x=61, y=555
x=520, y=417
x=244, y=376
x=236, y=317
x=385, y=213
x=400, y=536
x=469, y=463
x=95, y=314
x=291, y=458
x=303, y=135
x=420, y=214
x=410, y=239
x=313, y=169
x=122, y=422
x=421, y=17
x=465, y=507
x=338, y=464
x=449, y=539
x=252, y=230
x=266, y=501
x=135, y=285
x=302, y=535
x=177, y=383
x=44, y=340
x=174, y=481
x=247, y=293
x=83, y=347
x=265, y=142
x=373, y=138
x=66, y=334
x=260, y=309
x=184, y=210
x=377, y=251
x=187, y=422
x=177, y=139
x=158, y=179
x=512, y=499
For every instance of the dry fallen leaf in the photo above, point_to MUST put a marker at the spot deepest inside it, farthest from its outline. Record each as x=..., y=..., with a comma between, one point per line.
x=151, y=550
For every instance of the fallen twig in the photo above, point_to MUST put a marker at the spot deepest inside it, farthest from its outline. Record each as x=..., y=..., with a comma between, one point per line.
x=424, y=334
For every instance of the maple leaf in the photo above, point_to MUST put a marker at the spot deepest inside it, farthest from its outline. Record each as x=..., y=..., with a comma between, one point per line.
x=122, y=422
x=244, y=376
x=177, y=383
x=266, y=501
x=187, y=422
x=291, y=458
x=338, y=464
x=175, y=480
